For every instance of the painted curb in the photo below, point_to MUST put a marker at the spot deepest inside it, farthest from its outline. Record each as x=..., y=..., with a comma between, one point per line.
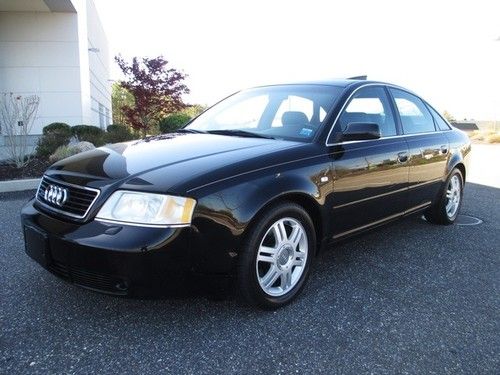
x=19, y=185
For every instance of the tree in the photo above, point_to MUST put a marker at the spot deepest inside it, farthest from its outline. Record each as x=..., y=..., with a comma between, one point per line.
x=120, y=98
x=17, y=115
x=194, y=110
x=156, y=89
x=173, y=122
x=449, y=117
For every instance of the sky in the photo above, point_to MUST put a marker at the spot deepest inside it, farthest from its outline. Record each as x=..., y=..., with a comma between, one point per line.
x=446, y=51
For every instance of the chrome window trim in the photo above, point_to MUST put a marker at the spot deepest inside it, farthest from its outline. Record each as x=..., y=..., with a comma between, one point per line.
x=62, y=212
x=390, y=137
x=368, y=140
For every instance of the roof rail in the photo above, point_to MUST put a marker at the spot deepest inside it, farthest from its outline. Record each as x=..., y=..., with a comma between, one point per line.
x=362, y=78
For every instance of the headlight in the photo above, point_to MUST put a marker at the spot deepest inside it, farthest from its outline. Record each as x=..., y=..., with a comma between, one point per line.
x=131, y=207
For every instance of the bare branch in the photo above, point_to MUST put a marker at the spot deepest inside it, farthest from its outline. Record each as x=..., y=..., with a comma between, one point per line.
x=17, y=115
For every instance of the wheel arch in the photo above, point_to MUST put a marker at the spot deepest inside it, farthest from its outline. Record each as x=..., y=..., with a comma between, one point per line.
x=458, y=159
x=461, y=167
x=308, y=203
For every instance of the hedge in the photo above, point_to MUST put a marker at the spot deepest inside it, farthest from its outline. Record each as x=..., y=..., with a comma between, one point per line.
x=173, y=122
x=89, y=133
x=54, y=135
x=118, y=133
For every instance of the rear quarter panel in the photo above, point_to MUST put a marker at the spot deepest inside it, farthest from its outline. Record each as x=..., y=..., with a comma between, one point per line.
x=460, y=148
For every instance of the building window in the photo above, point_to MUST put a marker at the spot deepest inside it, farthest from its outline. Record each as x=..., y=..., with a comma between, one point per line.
x=108, y=118
x=102, y=116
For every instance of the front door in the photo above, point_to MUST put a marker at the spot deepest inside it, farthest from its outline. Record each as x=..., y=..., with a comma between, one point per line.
x=370, y=177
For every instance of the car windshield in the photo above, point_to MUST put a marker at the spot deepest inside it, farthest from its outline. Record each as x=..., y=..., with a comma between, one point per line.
x=290, y=112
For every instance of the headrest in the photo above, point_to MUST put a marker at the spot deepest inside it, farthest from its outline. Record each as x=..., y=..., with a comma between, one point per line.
x=294, y=118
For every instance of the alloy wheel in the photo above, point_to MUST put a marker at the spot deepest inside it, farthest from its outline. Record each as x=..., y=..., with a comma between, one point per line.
x=453, y=196
x=282, y=257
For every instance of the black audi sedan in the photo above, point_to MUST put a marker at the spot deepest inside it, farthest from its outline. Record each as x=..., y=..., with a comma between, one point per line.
x=252, y=189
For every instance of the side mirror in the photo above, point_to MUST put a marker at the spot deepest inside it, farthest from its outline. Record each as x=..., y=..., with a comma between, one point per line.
x=360, y=131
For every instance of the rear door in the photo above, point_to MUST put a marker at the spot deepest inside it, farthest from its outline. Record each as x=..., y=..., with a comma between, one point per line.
x=370, y=176
x=428, y=148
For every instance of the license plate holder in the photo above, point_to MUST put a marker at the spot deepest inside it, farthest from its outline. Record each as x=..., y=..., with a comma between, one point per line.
x=36, y=245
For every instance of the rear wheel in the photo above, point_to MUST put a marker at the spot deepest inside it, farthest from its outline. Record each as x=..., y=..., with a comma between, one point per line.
x=446, y=209
x=276, y=257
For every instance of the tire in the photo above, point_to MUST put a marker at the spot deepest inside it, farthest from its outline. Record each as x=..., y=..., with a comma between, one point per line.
x=276, y=256
x=447, y=207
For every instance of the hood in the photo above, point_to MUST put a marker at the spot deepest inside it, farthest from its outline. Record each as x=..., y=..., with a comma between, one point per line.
x=174, y=159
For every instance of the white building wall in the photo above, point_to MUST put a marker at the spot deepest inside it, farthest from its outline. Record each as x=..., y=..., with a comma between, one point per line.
x=39, y=54
x=47, y=54
x=100, y=86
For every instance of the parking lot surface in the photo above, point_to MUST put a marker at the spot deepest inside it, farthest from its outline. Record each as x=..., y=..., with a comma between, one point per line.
x=405, y=298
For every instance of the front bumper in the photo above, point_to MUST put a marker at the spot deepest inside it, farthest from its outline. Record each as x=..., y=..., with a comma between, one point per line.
x=110, y=258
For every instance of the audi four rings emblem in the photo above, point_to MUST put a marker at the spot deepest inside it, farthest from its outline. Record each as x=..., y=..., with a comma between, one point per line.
x=56, y=195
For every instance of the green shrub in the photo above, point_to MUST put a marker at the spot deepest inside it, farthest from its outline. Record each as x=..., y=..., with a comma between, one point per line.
x=54, y=135
x=118, y=133
x=173, y=122
x=62, y=152
x=57, y=127
x=65, y=151
x=89, y=133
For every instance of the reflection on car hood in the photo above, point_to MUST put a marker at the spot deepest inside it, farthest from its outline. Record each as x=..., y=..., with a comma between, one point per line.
x=179, y=155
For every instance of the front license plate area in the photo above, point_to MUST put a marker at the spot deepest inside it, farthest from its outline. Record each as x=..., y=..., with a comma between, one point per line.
x=36, y=245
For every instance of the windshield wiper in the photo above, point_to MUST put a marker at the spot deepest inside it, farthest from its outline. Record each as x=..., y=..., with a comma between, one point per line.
x=188, y=130
x=239, y=133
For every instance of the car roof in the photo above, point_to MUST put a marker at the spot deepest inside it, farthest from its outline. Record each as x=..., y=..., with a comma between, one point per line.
x=338, y=82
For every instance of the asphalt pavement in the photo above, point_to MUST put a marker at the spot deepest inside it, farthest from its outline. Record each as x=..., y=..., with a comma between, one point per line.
x=410, y=297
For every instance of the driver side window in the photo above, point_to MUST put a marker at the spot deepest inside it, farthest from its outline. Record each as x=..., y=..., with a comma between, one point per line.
x=369, y=105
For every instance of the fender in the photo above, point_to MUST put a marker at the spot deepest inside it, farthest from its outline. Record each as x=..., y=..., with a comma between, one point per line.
x=223, y=216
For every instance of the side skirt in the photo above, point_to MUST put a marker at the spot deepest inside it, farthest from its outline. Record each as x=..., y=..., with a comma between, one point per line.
x=378, y=223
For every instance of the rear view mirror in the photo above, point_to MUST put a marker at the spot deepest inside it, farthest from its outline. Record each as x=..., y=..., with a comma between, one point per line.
x=360, y=131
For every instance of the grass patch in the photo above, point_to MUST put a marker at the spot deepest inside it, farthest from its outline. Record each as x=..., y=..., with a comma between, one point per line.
x=487, y=136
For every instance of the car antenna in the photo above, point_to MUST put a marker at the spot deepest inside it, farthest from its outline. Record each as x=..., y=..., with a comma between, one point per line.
x=362, y=78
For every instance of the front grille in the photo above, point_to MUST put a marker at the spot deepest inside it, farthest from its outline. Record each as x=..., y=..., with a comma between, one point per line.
x=89, y=279
x=67, y=199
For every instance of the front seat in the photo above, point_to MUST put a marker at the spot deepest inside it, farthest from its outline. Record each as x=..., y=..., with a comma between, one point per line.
x=294, y=118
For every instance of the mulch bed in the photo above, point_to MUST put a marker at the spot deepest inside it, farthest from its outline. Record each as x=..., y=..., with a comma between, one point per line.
x=33, y=169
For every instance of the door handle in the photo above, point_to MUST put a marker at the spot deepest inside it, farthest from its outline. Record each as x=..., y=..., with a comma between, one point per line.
x=443, y=150
x=402, y=157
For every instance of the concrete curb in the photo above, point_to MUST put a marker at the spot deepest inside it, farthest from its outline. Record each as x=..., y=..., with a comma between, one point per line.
x=19, y=185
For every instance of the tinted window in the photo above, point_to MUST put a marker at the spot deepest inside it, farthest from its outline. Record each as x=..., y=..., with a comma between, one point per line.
x=441, y=124
x=370, y=104
x=415, y=117
x=296, y=104
x=243, y=114
x=294, y=112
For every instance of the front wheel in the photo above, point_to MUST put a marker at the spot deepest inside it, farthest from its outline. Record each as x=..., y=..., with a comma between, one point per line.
x=446, y=209
x=277, y=255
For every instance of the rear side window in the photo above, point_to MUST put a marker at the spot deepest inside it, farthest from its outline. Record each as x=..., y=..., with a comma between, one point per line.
x=415, y=117
x=440, y=123
x=370, y=104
